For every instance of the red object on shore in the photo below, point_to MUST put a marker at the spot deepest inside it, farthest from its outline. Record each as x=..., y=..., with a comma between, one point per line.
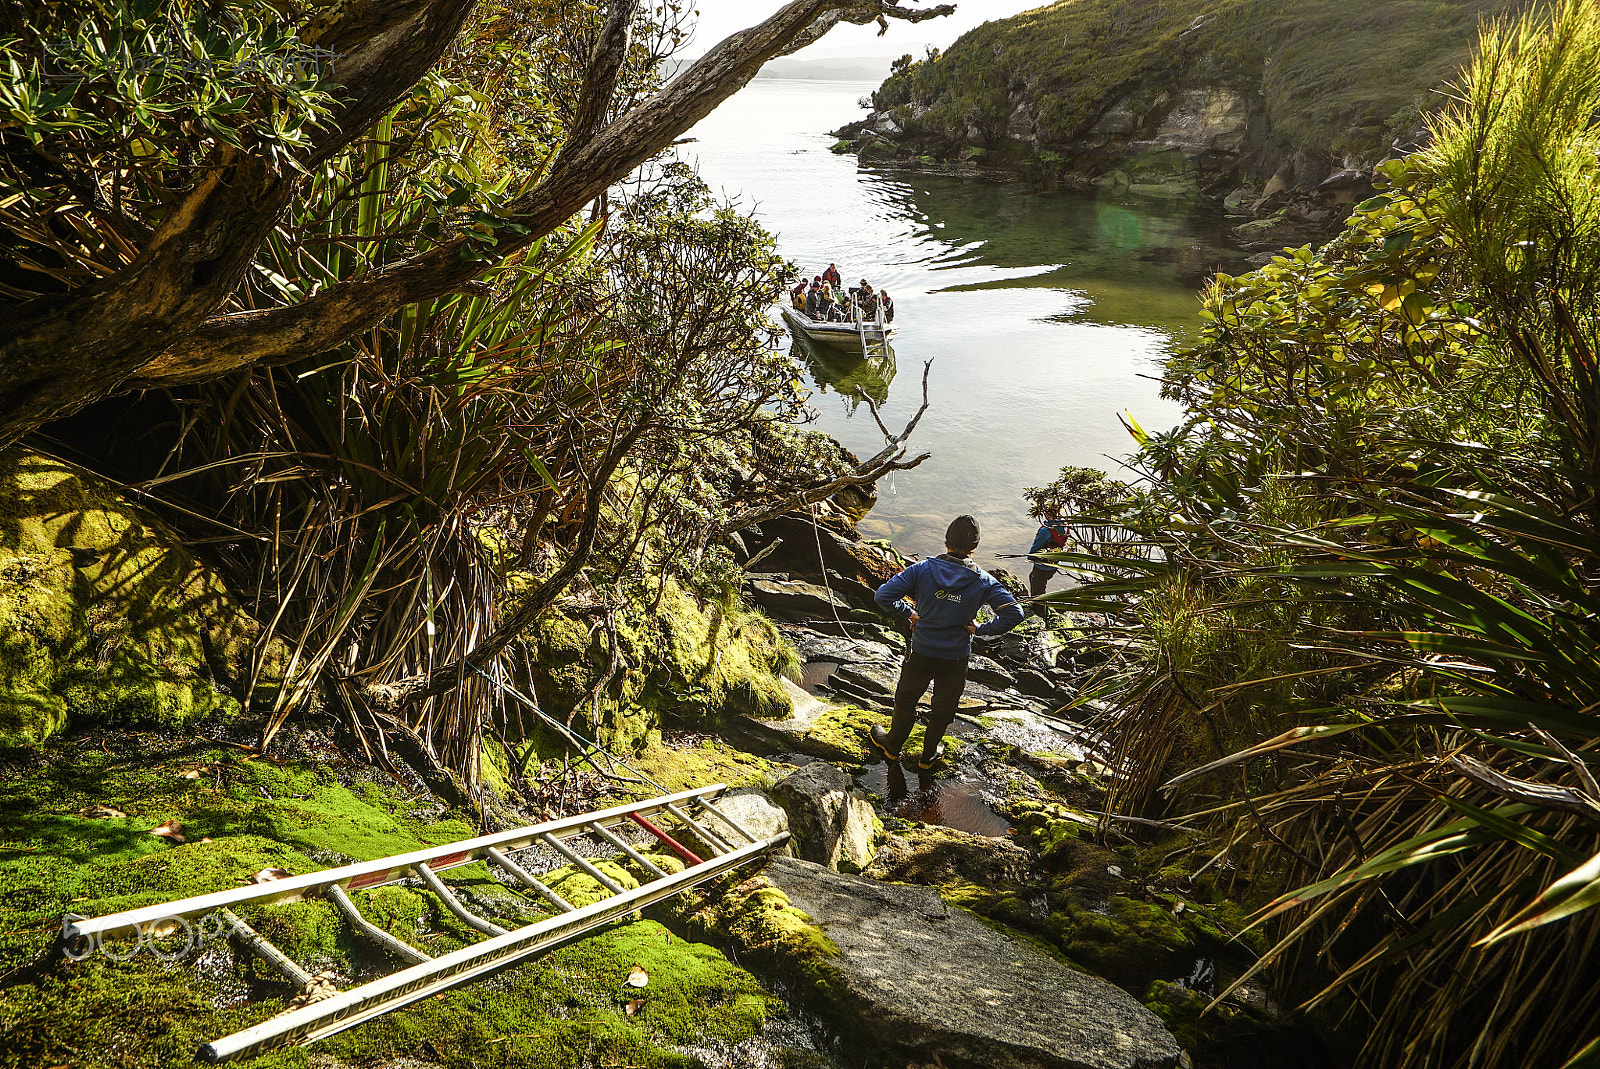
x=672, y=844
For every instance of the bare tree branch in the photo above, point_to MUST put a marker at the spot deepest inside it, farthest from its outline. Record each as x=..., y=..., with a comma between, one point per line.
x=600, y=79
x=888, y=459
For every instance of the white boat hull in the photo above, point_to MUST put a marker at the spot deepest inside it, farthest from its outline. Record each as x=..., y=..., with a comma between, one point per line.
x=846, y=335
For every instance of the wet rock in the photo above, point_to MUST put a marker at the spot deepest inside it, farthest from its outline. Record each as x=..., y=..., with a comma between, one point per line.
x=872, y=680
x=989, y=672
x=830, y=818
x=1028, y=646
x=1036, y=684
x=792, y=600
x=934, y=984
x=814, y=646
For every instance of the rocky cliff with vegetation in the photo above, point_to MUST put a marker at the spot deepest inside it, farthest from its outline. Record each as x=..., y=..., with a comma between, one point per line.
x=1270, y=107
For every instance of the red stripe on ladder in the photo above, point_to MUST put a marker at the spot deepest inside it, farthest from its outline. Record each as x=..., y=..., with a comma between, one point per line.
x=671, y=844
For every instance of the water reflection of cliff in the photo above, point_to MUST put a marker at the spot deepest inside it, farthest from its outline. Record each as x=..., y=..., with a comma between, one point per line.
x=1134, y=263
x=845, y=372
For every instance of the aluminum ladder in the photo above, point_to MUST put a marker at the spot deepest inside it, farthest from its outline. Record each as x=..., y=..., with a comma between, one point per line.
x=874, y=332
x=729, y=844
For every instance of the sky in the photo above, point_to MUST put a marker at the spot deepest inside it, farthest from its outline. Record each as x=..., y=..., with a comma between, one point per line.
x=718, y=18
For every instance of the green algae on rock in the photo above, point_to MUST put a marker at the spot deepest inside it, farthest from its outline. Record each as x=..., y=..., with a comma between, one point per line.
x=104, y=616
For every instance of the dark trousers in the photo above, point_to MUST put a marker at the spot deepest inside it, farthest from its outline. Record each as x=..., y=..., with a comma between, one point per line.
x=1039, y=578
x=948, y=678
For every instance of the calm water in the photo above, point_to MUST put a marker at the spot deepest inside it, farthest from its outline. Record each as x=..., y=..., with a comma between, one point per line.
x=1042, y=313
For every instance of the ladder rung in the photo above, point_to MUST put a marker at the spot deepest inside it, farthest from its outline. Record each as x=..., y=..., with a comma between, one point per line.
x=405, y=950
x=626, y=849
x=583, y=863
x=717, y=843
x=271, y=955
x=689, y=856
x=729, y=821
x=526, y=878
x=453, y=904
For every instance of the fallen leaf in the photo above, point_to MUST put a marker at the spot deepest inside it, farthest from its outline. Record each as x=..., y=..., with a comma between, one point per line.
x=1115, y=871
x=267, y=875
x=101, y=812
x=193, y=773
x=637, y=977
x=669, y=939
x=633, y=1007
x=162, y=928
x=207, y=839
x=169, y=829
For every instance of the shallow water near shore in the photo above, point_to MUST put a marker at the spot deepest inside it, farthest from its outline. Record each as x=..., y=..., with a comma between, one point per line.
x=1046, y=314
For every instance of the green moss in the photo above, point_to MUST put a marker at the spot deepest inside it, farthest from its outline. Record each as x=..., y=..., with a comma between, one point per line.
x=677, y=766
x=104, y=617
x=689, y=660
x=758, y=921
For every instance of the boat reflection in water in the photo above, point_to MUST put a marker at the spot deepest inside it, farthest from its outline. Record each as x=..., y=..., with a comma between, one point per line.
x=846, y=370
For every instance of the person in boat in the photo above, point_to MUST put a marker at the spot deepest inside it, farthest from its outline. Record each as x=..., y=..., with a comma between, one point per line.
x=831, y=277
x=888, y=306
x=814, y=298
x=867, y=299
x=826, y=305
x=940, y=599
x=1052, y=534
x=797, y=296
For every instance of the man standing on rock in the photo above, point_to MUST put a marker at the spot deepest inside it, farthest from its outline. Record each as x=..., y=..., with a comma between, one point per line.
x=940, y=599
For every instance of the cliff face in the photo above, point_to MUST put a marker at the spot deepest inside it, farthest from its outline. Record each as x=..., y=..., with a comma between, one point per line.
x=1275, y=106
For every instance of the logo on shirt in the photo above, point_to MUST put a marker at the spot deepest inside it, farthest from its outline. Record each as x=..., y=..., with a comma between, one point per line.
x=943, y=594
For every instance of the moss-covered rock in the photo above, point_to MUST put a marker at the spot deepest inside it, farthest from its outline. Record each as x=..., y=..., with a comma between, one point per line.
x=682, y=657
x=104, y=616
x=757, y=920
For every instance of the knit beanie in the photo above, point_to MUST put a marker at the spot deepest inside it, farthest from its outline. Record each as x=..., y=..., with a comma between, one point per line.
x=962, y=534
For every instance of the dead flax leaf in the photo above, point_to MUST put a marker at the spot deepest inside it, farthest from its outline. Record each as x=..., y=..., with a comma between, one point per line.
x=633, y=1007
x=101, y=812
x=169, y=829
x=637, y=977
x=267, y=875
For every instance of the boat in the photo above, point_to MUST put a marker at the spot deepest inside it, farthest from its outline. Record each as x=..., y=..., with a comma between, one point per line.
x=868, y=336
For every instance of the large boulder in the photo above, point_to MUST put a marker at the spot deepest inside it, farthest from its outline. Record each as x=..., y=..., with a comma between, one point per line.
x=755, y=812
x=933, y=984
x=829, y=816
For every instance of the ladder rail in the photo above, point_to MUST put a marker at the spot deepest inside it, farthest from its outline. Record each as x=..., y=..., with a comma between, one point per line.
x=368, y=874
x=352, y=1007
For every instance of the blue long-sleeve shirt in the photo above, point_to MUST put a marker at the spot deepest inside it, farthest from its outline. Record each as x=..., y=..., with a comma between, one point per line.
x=1045, y=538
x=948, y=592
